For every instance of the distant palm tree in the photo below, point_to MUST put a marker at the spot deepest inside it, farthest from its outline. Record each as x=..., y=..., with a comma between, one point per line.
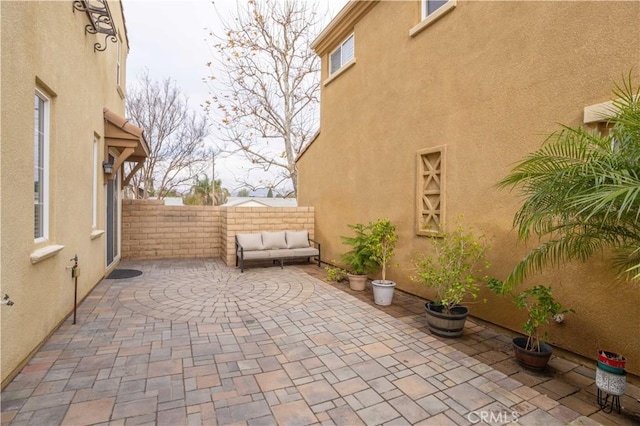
x=203, y=190
x=221, y=195
x=582, y=193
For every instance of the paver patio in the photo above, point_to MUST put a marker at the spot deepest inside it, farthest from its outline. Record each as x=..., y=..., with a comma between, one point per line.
x=197, y=342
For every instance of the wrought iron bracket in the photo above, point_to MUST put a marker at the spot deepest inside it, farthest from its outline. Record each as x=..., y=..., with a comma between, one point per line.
x=100, y=21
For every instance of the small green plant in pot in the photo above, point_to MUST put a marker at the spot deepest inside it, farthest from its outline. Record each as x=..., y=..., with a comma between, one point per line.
x=453, y=268
x=359, y=259
x=382, y=239
x=532, y=351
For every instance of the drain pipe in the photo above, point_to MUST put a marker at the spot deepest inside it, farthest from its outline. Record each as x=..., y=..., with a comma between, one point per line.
x=75, y=273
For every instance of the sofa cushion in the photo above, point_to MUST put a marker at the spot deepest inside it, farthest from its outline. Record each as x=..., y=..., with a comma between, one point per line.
x=273, y=240
x=280, y=253
x=297, y=239
x=250, y=241
x=307, y=251
x=255, y=254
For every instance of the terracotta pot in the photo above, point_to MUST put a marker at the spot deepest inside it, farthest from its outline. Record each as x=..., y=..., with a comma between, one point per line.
x=528, y=358
x=443, y=324
x=357, y=282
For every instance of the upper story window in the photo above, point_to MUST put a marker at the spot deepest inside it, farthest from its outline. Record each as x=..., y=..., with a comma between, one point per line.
x=342, y=55
x=41, y=167
x=118, y=61
x=432, y=10
x=430, y=6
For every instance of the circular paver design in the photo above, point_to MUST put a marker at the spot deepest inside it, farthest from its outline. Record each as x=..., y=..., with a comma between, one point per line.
x=212, y=297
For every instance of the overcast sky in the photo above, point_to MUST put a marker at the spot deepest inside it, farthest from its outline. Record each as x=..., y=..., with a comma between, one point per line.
x=169, y=37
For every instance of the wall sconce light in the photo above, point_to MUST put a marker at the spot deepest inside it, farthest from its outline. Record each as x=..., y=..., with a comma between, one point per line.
x=108, y=167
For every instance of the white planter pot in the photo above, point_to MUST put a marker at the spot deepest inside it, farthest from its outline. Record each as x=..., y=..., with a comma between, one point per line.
x=613, y=384
x=383, y=292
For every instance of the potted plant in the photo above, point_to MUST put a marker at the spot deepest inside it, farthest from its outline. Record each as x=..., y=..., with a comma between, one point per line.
x=532, y=351
x=359, y=259
x=382, y=238
x=453, y=269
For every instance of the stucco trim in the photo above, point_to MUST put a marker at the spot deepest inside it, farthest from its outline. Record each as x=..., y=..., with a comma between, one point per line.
x=443, y=10
x=45, y=253
x=599, y=112
x=96, y=233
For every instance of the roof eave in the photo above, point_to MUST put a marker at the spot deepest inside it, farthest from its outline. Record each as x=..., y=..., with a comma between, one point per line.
x=341, y=25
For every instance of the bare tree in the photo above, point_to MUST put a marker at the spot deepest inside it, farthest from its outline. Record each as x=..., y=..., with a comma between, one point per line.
x=175, y=135
x=265, y=85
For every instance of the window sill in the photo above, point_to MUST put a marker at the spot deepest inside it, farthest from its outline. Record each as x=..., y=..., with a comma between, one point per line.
x=45, y=253
x=339, y=72
x=96, y=233
x=443, y=10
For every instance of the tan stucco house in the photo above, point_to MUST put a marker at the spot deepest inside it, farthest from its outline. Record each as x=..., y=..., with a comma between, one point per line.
x=63, y=101
x=426, y=105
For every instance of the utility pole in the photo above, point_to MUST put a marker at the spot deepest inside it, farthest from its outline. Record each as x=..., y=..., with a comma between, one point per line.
x=213, y=176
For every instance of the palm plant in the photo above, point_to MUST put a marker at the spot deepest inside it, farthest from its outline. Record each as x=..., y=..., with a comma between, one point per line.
x=581, y=193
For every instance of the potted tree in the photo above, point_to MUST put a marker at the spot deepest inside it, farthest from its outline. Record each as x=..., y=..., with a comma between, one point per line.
x=359, y=259
x=453, y=269
x=532, y=351
x=382, y=238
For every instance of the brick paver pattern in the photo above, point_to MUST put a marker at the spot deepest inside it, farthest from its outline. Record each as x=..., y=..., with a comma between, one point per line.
x=197, y=342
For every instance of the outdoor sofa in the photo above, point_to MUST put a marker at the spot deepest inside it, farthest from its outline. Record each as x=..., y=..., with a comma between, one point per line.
x=275, y=246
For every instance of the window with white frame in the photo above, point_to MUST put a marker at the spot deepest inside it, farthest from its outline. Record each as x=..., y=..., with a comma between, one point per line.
x=41, y=167
x=94, y=203
x=118, y=61
x=432, y=11
x=342, y=55
x=430, y=6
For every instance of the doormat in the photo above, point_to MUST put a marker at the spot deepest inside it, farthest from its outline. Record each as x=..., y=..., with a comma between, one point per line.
x=119, y=274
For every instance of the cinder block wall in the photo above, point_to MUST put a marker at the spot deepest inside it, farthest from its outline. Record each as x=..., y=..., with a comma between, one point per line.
x=256, y=219
x=151, y=230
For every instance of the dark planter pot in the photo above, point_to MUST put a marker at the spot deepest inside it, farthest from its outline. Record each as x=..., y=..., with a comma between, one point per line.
x=531, y=359
x=443, y=324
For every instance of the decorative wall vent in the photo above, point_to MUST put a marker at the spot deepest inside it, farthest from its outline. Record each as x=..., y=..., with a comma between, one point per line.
x=430, y=190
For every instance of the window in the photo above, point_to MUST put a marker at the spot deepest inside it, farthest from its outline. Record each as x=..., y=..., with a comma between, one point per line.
x=342, y=55
x=94, y=204
x=118, y=67
x=430, y=190
x=41, y=167
x=430, y=6
x=432, y=10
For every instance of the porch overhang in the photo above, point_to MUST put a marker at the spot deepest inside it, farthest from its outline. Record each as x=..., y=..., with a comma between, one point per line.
x=128, y=140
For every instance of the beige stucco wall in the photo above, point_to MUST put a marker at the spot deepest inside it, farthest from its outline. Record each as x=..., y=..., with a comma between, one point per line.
x=44, y=45
x=489, y=80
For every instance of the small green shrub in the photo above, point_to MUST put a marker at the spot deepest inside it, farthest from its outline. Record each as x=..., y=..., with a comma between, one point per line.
x=335, y=274
x=541, y=308
x=453, y=268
